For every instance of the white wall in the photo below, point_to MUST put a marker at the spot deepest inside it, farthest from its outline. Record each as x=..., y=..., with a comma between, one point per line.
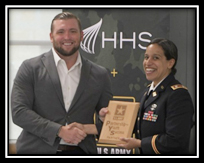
x=28, y=37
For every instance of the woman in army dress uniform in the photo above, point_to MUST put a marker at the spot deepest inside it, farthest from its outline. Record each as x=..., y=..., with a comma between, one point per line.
x=166, y=110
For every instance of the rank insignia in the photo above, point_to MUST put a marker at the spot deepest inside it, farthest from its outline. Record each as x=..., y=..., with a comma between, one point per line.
x=177, y=86
x=150, y=116
x=154, y=94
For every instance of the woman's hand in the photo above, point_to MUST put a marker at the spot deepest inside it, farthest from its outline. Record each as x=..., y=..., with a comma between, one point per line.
x=130, y=143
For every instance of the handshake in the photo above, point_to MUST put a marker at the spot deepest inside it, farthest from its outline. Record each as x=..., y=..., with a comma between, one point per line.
x=75, y=132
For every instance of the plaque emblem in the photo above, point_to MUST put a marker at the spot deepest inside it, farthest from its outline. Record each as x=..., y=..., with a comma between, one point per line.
x=120, y=112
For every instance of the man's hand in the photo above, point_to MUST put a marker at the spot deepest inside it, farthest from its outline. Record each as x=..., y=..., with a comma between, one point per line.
x=102, y=113
x=77, y=125
x=87, y=128
x=73, y=133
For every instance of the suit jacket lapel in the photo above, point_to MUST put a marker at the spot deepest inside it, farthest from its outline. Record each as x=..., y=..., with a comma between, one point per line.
x=85, y=71
x=143, y=99
x=147, y=101
x=48, y=61
x=154, y=95
x=159, y=89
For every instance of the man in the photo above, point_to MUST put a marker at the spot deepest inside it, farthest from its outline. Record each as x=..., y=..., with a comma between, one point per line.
x=55, y=93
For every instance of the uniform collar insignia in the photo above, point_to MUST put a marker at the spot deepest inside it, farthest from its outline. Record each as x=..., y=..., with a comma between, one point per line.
x=154, y=94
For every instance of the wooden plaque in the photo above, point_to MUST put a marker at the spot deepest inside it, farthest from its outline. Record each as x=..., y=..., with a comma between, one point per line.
x=119, y=121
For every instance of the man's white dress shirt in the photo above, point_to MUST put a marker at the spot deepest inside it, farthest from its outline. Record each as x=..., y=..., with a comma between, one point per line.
x=69, y=79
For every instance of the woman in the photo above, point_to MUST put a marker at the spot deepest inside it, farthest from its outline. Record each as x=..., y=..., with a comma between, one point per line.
x=166, y=110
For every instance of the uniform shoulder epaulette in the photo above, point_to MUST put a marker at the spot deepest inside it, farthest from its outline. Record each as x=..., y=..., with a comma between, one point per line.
x=177, y=86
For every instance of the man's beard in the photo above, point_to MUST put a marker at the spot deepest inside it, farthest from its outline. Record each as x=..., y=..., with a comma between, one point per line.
x=63, y=52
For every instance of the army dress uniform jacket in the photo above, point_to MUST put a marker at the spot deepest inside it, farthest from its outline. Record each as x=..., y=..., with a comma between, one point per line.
x=165, y=119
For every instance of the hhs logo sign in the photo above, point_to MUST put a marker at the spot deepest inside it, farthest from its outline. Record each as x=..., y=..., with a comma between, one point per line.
x=90, y=35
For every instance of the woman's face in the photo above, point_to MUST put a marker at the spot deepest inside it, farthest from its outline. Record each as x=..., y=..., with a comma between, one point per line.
x=155, y=64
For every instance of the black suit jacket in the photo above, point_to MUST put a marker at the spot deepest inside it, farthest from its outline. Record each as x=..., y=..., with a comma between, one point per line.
x=164, y=121
x=37, y=103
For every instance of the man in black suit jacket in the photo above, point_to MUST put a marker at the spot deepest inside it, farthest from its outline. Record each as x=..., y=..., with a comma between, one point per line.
x=38, y=100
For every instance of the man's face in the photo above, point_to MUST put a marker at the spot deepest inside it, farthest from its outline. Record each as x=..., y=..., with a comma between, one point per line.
x=66, y=36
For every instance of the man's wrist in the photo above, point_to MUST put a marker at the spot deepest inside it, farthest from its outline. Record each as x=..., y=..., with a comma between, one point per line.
x=59, y=131
x=90, y=129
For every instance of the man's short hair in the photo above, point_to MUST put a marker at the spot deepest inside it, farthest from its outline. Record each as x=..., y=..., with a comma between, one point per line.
x=66, y=15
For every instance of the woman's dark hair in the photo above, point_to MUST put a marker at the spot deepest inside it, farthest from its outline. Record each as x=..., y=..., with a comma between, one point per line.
x=170, y=50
